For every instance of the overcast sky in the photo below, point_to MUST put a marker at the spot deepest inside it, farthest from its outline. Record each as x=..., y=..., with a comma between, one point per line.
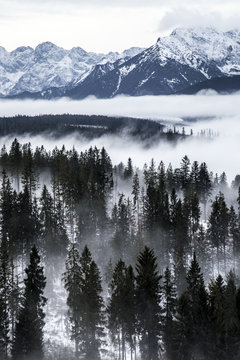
x=107, y=25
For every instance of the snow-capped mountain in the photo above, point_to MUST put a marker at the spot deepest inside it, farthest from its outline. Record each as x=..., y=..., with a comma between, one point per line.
x=47, y=66
x=185, y=58
x=174, y=63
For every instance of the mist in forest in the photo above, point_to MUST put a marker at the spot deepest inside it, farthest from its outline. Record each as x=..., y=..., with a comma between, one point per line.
x=114, y=226
x=212, y=118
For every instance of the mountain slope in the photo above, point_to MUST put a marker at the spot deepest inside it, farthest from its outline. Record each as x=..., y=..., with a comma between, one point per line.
x=185, y=58
x=221, y=85
x=174, y=63
x=49, y=66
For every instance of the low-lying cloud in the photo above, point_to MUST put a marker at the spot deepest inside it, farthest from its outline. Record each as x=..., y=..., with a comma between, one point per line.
x=208, y=104
x=220, y=113
x=181, y=16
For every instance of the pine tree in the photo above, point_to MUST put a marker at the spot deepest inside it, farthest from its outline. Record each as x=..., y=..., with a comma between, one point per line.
x=183, y=331
x=205, y=186
x=4, y=299
x=232, y=323
x=180, y=271
x=217, y=319
x=185, y=172
x=15, y=160
x=130, y=313
x=108, y=273
x=194, y=176
x=83, y=283
x=218, y=227
x=29, y=175
x=73, y=281
x=116, y=308
x=169, y=311
x=170, y=183
x=92, y=308
x=198, y=303
x=28, y=339
x=121, y=237
x=136, y=198
x=128, y=172
x=122, y=310
x=234, y=231
x=148, y=296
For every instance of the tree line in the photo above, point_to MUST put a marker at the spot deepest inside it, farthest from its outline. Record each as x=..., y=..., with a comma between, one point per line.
x=62, y=202
x=175, y=211
x=143, y=315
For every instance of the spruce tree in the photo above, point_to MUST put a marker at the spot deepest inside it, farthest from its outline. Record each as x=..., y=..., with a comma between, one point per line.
x=4, y=300
x=169, y=312
x=232, y=323
x=122, y=310
x=28, y=339
x=198, y=303
x=83, y=283
x=234, y=231
x=205, y=186
x=218, y=227
x=72, y=278
x=217, y=318
x=92, y=307
x=183, y=331
x=148, y=298
x=116, y=309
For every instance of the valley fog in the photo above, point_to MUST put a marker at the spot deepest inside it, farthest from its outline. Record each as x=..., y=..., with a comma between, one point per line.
x=210, y=111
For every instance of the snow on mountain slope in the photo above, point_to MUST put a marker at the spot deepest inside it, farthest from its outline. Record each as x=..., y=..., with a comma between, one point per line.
x=186, y=57
x=174, y=63
x=47, y=66
x=193, y=46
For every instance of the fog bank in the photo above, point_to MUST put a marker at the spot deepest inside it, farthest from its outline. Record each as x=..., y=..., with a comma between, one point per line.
x=206, y=104
x=220, y=152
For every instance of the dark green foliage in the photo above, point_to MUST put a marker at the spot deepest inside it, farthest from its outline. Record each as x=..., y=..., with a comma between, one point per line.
x=4, y=300
x=231, y=319
x=72, y=282
x=217, y=318
x=122, y=309
x=173, y=319
x=169, y=313
x=28, y=339
x=218, y=227
x=148, y=298
x=83, y=283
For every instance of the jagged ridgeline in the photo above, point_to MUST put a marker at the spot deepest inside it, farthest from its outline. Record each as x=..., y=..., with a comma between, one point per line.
x=185, y=61
x=133, y=263
x=87, y=126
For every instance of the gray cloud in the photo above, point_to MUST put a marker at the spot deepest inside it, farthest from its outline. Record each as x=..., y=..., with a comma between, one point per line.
x=192, y=17
x=126, y=3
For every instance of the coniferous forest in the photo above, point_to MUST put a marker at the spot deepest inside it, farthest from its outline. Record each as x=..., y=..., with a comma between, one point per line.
x=148, y=259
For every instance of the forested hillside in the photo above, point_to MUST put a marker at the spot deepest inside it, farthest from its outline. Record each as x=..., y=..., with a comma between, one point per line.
x=149, y=258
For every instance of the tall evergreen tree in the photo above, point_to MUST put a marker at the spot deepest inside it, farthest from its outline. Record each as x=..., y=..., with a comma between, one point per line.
x=72, y=278
x=148, y=297
x=28, y=339
x=232, y=323
x=83, y=283
x=122, y=310
x=4, y=299
x=218, y=227
x=169, y=312
x=92, y=306
x=217, y=319
x=198, y=303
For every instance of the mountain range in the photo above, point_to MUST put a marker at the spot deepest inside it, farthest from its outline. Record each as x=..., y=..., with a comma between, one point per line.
x=186, y=61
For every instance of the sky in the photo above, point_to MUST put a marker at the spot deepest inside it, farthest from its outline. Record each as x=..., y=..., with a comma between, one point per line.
x=107, y=25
